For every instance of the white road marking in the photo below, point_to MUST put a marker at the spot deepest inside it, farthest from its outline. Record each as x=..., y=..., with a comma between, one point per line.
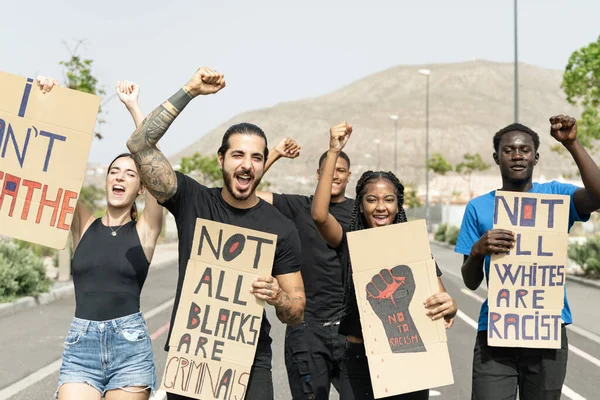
x=567, y=391
x=54, y=366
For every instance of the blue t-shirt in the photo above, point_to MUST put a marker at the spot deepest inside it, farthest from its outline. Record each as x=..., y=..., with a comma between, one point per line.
x=478, y=219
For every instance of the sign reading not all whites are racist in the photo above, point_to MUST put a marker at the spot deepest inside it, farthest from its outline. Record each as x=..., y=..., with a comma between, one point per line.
x=44, y=145
x=526, y=285
x=217, y=323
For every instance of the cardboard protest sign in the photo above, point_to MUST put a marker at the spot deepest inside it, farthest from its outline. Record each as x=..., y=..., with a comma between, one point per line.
x=217, y=324
x=44, y=145
x=393, y=275
x=526, y=285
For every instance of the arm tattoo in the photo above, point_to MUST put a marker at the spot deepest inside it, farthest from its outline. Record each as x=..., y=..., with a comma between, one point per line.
x=286, y=312
x=156, y=173
x=155, y=170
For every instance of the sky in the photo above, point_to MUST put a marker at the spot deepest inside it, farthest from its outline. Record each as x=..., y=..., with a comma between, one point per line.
x=271, y=51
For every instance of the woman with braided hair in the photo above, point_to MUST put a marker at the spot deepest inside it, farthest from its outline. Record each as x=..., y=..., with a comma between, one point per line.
x=379, y=200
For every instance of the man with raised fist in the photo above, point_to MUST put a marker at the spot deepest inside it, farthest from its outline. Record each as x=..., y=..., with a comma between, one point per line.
x=314, y=349
x=242, y=158
x=538, y=373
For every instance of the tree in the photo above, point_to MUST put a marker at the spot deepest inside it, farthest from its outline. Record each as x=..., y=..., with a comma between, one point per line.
x=581, y=84
x=78, y=76
x=438, y=164
x=206, y=169
x=92, y=196
x=472, y=163
x=411, y=200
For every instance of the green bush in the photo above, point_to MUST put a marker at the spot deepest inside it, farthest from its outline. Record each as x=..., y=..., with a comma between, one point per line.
x=452, y=235
x=440, y=233
x=37, y=249
x=22, y=273
x=587, y=255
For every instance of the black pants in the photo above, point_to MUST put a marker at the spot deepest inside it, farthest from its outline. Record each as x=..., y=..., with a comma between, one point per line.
x=355, y=380
x=313, y=354
x=537, y=373
x=260, y=386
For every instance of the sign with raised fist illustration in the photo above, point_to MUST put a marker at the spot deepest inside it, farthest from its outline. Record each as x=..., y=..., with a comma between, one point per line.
x=393, y=274
x=390, y=293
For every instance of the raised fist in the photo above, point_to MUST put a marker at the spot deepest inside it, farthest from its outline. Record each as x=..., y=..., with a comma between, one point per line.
x=390, y=293
x=339, y=135
x=128, y=92
x=288, y=148
x=205, y=81
x=563, y=128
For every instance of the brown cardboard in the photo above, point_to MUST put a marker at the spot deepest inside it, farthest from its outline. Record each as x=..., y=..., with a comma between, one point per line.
x=44, y=145
x=406, y=351
x=526, y=285
x=217, y=323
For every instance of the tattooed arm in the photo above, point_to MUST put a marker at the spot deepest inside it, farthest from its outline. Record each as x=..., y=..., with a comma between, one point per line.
x=156, y=172
x=286, y=293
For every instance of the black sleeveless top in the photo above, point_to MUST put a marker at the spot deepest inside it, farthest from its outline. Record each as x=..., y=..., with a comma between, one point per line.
x=108, y=272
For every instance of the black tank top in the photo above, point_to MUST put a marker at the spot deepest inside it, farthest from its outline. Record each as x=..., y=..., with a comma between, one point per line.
x=108, y=272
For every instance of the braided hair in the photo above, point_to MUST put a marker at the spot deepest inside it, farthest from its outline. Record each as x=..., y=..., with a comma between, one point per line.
x=358, y=221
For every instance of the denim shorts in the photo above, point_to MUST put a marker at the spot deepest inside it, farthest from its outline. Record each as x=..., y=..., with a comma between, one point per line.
x=109, y=355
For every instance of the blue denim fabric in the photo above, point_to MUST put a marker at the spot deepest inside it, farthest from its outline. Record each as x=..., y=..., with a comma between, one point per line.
x=109, y=355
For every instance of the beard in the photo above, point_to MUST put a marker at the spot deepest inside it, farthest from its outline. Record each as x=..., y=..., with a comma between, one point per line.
x=228, y=182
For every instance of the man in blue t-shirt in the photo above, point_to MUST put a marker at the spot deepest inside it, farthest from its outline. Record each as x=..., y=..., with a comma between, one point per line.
x=497, y=371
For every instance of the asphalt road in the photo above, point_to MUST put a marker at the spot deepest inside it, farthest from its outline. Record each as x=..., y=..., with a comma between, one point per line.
x=32, y=339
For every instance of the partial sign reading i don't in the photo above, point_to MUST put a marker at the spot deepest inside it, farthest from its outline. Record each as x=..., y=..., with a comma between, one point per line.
x=44, y=144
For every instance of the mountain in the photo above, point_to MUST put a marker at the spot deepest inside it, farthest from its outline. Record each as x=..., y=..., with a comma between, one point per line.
x=469, y=102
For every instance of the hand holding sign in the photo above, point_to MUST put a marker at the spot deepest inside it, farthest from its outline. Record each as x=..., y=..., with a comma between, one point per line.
x=267, y=288
x=494, y=241
x=288, y=148
x=440, y=305
x=339, y=135
x=45, y=84
x=205, y=81
x=564, y=129
x=389, y=294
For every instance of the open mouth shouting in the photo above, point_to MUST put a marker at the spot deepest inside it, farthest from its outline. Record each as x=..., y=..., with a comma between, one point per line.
x=118, y=191
x=244, y=181
x=381, y=219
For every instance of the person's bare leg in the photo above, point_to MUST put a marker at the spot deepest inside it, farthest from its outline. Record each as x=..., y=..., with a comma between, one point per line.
x=129, y=393
x=78, y=391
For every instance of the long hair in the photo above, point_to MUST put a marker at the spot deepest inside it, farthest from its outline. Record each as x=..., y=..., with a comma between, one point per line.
x=358, y=221
x=133, y=210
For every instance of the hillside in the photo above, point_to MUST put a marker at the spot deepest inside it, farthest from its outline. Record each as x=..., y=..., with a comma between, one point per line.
x=469, y=102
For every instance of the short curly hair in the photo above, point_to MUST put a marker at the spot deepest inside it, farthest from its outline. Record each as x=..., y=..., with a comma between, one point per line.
x=516, y=127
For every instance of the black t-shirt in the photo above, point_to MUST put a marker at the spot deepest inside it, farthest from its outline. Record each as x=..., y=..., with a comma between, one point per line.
x=321, y=268
x=350, y=323
x=193, y=200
